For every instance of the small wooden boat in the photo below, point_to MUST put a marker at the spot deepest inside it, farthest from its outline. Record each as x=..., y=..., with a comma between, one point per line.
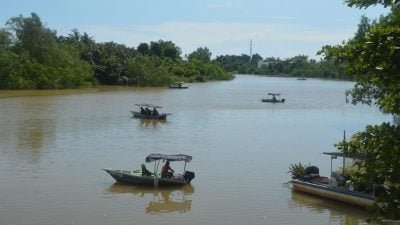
x=178, y=85
x=324, y=187
x=275, y=98
x=147, y=113
x=144, y=177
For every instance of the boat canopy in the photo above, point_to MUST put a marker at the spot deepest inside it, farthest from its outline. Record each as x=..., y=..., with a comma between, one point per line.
x=277, y=94
x=148, y=105
x=179, y=157
x=352, y=156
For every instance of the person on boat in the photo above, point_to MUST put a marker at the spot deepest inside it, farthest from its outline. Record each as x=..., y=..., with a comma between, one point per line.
x=273, y=98
x=165, y=171
x=145, y=172
x=155, y=112
x=142, y=111
x=148, y=111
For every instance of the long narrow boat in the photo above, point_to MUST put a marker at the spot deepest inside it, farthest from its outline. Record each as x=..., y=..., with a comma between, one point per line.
x=324, y=187
x=144, y=177
x=335, y=193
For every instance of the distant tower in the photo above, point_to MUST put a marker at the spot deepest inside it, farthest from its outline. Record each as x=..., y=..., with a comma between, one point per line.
x=251, y=49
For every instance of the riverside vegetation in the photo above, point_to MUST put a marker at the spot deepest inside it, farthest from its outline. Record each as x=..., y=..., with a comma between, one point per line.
x=32, y=56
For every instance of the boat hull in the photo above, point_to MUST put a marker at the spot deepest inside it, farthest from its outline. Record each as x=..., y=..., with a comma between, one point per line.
x=177, y=87
x=272, y=101
x=125, y=176
x=162, y=116
x=334, y=193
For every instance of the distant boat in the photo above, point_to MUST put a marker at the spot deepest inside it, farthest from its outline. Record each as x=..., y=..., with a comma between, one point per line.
x=147, y=113
x=301, y=78
x=275, y=98
x=178, y=85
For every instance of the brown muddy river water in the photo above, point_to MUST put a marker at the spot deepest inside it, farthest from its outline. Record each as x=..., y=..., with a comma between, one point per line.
x=53, y=145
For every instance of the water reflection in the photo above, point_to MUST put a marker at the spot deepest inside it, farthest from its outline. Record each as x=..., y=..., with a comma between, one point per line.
x=150, y=123
x=163, y=199
x=32, y=134
x=341, y=212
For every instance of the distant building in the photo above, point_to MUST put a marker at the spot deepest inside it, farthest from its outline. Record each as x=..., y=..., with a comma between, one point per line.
x=261, y=63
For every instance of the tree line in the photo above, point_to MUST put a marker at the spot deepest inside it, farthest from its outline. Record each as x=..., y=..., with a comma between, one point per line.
x=32, y=56
x=300, y=66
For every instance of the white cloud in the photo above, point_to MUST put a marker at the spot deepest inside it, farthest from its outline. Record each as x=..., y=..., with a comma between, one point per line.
x=228, y=37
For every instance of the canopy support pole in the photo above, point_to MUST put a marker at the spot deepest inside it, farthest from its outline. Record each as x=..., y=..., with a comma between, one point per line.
x=344, y=151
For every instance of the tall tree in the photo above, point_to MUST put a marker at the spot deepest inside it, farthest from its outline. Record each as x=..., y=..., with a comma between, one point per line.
x=201, y=54
x=32, y=36
x=143, y=48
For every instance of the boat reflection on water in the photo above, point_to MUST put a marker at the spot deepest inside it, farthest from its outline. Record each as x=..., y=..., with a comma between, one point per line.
x=163, y=199
x=151, y=123
x=338, y=212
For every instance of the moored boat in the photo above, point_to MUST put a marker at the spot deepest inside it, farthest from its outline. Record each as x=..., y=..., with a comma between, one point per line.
x=144, y=177
x=334, y=193
x=336, y=188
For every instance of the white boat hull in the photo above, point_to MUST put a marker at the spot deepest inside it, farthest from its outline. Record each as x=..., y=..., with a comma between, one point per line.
x=334, y=193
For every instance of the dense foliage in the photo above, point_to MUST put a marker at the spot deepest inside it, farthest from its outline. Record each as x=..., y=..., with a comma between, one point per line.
x=373, y=57
x=299, y=66
x=32, y=56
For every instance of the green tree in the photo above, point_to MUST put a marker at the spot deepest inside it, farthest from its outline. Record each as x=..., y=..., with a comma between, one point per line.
x=201, y=54
x=143, y=48
x=5, y=39
x=374, y=61
x=36, y=60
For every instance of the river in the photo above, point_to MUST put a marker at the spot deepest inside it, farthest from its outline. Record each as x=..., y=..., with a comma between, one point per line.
x=53, y=145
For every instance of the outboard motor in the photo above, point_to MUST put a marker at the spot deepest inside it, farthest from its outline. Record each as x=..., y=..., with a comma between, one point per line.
x=312, y=170
x=188, y=176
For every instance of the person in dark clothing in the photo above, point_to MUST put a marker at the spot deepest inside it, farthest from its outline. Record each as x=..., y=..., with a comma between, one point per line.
x=145, y=172
x=155, y=112
x=165, y=171
x=142, y=111
x=148, y=111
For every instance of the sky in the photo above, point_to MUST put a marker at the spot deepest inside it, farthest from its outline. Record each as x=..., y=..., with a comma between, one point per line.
x=279, y=28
